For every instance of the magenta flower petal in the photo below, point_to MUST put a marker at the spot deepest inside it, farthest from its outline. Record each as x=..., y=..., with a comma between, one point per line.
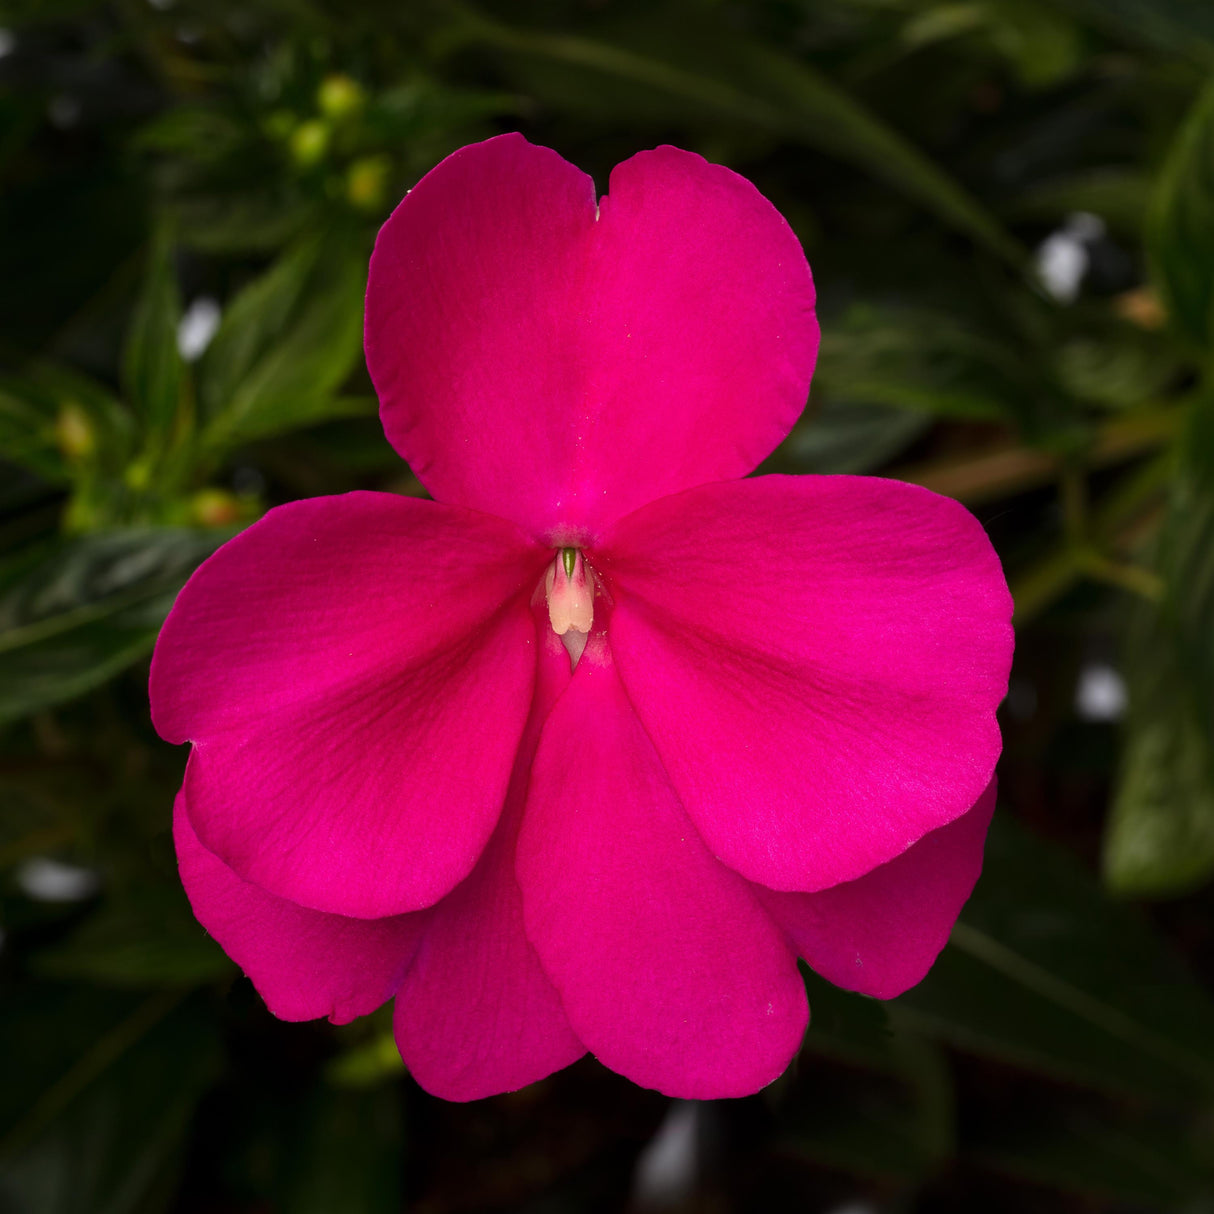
x=880, y=933
x=669, y=970
x=780, y=720
x=355, y=673
x=521, y=348
x=818, y=662
x=304, y=963
x=477, y=1014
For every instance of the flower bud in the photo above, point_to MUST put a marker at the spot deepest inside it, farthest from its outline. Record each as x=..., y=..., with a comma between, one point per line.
x=367, y=182
x=74, y=432
x=309, y=142
x=339, y=96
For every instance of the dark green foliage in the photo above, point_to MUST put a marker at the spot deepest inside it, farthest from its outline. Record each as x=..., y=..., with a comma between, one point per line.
x=83, y=610
x=1061, y=1054
x=105, y=1125
x=1042, y=970
x=1161, y=831
x=1180, y=239
x=151, y=366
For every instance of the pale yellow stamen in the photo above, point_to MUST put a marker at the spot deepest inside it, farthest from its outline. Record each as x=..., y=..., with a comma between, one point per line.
x=569, y=591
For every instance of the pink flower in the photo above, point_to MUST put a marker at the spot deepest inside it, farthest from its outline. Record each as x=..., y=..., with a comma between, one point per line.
x=778, y=741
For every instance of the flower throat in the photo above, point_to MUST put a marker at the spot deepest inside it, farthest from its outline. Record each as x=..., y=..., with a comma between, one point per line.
x=569, y=591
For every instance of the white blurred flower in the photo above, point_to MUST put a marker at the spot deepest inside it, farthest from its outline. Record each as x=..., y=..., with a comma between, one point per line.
x=1062, y=257
x=667, y=1168
x=47, y=880
x=197, y=327
x=63, y=111
x=1100, y=694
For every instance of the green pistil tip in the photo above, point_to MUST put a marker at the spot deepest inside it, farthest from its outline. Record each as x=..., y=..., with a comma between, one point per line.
x=569, y=560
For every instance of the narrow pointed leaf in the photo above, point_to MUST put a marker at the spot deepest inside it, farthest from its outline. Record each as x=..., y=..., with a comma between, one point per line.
x=1180, y=225
x=76, y=616
x=1160, y=836
x=152, y=368
x=102, y=1127
x=778, y=95
x=286, y=345
x=1046, y=972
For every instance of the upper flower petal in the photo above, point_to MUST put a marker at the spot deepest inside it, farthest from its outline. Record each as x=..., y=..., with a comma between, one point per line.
x=560, y=366
x=477, y=1015
x=880, y=933
x=668, y=968
x=818, y=661
x=304, y=963
x=354, y=673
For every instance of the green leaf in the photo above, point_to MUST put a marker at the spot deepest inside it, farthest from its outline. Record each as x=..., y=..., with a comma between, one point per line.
x=1081, y=1151
x=76, y=616
x=861, y=1097
x=1160, y=836
x=27, y=435
x=1118, y=195
x=347, y=1153
x=201, y=133
x=284, y=414
x=1186, y=563
x=1043, y=44
x=145, y=938
x=846, y=1027
x=842, y=437
x=1118, y=369
x=152, y=368
x=256, y=221
x=103, y=1127
x=922, y=360
x=1185, y=27
x=286, y=344
x=755, y=87
x=367, y=1063
x=64, y=424
x=862, y=1124
x=1045, y=972
x=254, y=320
x=1180, y=225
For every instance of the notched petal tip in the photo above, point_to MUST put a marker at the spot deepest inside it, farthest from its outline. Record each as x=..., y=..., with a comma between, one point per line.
x=519, y=333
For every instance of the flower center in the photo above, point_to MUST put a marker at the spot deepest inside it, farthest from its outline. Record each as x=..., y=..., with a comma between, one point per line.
x=569, y=591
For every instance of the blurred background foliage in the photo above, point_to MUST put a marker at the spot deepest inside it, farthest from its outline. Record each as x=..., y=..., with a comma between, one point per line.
x=1009, y=207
